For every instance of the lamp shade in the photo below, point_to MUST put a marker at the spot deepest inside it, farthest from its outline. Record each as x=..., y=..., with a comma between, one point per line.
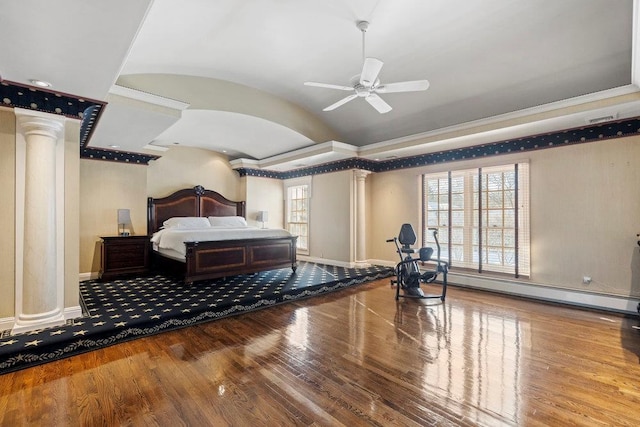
x=124, y=216
x=263, y=216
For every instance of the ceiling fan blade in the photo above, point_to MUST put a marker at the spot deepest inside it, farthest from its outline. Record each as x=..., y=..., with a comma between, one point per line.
x=328, y=86
x=412, y=86
x=370, y=71
x=341, y=102
x=378, y=103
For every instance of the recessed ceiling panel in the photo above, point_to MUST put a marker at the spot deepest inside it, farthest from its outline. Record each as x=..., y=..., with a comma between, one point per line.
x=238, y=135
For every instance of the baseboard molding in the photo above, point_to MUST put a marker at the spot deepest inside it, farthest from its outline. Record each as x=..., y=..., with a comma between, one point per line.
x=88, y=276
x=72, y=312
x=6, y=323
x=542, y=292
x=617, y=303
x=326, y=261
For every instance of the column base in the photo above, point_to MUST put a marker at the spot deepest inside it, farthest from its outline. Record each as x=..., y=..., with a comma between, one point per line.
x=362, y=264
x=27, y=323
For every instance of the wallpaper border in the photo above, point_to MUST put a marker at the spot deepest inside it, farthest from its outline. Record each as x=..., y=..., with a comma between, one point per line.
x=563, y=138
x=89, y=111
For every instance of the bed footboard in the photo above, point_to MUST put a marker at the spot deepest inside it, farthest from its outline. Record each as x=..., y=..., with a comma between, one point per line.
x=209, y=260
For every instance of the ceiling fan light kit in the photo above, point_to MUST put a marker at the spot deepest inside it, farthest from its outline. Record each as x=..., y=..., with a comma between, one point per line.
x=367, y=84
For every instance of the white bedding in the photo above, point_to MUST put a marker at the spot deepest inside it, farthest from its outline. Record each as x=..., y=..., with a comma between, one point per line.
x=174, y=238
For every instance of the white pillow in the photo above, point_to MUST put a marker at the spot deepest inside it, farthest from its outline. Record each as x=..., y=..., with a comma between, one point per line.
x=227, y=221
x=186, y=222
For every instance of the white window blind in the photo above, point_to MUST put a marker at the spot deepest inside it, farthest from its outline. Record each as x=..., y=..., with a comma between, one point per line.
x=298, y=214
x=482, y=217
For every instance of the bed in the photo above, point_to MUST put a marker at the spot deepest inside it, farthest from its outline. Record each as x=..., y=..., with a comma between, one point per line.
x=202, y=258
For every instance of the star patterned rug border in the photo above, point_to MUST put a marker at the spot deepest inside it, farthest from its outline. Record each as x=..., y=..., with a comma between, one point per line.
x=122, y=310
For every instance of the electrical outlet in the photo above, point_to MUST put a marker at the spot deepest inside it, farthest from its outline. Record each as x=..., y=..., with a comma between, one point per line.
x=586, y=280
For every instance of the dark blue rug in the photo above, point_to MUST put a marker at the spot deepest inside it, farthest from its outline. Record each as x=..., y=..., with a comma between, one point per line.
x=122, y=310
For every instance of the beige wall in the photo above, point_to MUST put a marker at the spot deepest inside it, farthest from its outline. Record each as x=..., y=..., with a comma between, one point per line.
x=7, y=211
x=263, y=194
x=72, y=214
x=394, y=200
x=585, y=214
x=106, y=187
x=183, y=167
x=331, y=219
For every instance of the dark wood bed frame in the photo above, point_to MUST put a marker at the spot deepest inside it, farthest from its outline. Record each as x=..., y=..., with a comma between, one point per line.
x=212, y=259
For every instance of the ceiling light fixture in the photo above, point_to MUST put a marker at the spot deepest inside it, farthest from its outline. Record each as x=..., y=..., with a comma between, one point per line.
x=40, y=83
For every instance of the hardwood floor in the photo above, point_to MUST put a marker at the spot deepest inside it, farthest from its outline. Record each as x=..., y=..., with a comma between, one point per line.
x=352, y=358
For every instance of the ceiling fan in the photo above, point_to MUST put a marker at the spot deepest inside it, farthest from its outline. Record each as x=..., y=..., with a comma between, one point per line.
x=367, y=85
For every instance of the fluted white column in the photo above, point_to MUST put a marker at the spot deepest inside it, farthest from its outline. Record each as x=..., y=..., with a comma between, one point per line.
x=39, y=278
x=361, y=229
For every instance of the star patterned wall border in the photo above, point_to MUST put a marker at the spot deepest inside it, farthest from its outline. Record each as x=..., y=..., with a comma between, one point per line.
x=22, y=96
x=580, y=135
x=16, y=95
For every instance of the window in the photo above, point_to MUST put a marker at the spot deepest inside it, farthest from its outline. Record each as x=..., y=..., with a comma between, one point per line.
x=298, y=214
x=482, y=217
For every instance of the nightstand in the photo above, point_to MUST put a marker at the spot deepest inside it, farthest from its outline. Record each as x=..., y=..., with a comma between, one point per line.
x=124, y=255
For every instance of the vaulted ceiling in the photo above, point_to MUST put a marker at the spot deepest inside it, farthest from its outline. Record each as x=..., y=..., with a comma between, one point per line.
x=229, y=75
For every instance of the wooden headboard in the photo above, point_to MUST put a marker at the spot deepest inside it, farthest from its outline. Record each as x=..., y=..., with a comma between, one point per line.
x=194, y=201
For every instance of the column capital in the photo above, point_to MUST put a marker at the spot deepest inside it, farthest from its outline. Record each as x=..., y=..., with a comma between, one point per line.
x=37, y=123
x=361, y=174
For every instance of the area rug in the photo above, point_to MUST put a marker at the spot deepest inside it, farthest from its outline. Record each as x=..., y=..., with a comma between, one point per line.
x=122, y=310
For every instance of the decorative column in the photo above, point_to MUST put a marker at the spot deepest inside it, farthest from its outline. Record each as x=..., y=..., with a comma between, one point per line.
x=39, y=229
x=361, y=243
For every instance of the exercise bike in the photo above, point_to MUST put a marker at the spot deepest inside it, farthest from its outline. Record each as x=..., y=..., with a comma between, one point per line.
x=407, y=272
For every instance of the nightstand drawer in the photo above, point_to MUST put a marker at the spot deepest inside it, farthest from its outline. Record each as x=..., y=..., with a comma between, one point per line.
x=124, y=256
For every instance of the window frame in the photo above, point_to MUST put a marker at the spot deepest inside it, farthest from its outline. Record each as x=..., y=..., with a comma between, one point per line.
x=442, y=210
x=292, y=183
